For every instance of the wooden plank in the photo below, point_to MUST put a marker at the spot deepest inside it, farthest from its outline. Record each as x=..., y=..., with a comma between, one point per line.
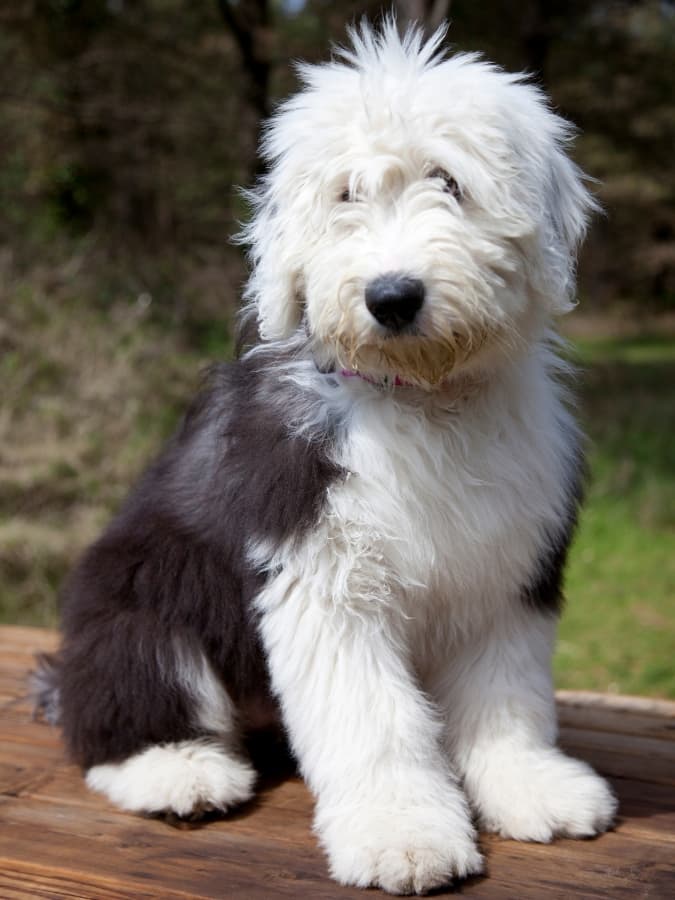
x=17, y=636
x=638, y=716
x=612, y=866
x=620, y=703
x=37, y=882
x=203, y=862
x=623, y=755
x=57, y=839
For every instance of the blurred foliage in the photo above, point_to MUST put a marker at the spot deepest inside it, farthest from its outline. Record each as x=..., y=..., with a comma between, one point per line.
x=88, y=394
x=130, y=122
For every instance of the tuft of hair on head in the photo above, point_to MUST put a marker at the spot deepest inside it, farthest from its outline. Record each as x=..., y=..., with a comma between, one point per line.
x=409, y=49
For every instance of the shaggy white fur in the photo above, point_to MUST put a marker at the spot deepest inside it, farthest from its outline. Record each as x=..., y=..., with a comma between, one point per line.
x=354, y=191
x=408, y=632
x=397, y=637
x=185, y=778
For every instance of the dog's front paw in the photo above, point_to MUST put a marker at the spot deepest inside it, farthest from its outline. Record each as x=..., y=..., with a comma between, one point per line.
x=536, y=796
x=402, y=851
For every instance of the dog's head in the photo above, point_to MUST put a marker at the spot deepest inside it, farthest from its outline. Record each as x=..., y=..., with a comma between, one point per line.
x=420, y=215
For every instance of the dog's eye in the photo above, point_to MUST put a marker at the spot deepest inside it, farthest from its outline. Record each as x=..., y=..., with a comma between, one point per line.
x=345, y=196
x=450, y=186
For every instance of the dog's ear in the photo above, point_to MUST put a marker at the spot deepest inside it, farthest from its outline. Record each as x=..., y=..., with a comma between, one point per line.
x=569, y=201
x=568, y=207
x=555, y=188
x=273, y=293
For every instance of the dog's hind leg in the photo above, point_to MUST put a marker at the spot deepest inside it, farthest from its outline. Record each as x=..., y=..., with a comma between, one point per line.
x=151, y=722
x=186, y=778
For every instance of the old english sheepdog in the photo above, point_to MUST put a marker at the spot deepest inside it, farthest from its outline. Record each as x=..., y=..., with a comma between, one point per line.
x=359, y=529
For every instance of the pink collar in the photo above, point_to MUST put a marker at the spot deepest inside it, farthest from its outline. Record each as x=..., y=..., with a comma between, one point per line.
x=397, y=382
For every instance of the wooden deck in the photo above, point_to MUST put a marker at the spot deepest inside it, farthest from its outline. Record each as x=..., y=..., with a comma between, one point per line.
x=58, y=840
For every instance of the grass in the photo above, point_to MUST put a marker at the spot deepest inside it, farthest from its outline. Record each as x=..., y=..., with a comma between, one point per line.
x=88, y=394
x=618, y=629
x=90, y=391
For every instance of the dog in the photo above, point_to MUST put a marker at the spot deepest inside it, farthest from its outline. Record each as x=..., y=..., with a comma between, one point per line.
x=360, y=527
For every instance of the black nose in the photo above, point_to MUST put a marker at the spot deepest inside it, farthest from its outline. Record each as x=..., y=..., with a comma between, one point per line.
x=395, y=299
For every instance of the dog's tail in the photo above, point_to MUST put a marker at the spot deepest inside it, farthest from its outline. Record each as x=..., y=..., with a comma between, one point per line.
x=44, y=688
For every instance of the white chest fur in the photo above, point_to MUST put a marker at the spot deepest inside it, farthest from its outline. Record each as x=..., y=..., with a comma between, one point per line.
x=454, y=504
x=447, y=508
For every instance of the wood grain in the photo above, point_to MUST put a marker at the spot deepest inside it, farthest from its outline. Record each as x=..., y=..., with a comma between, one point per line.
x=58, y=840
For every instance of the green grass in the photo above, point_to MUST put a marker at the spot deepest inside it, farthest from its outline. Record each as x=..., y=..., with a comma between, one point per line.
x=618, y=629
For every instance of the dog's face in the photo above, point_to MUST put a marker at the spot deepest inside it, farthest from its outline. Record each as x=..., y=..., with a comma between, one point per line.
x=420, y=214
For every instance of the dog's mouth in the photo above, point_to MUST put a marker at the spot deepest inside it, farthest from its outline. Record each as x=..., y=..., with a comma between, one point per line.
x=442, y=342
x=410, y=357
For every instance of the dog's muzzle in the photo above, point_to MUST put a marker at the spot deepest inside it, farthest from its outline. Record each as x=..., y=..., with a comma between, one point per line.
x=394, y=299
